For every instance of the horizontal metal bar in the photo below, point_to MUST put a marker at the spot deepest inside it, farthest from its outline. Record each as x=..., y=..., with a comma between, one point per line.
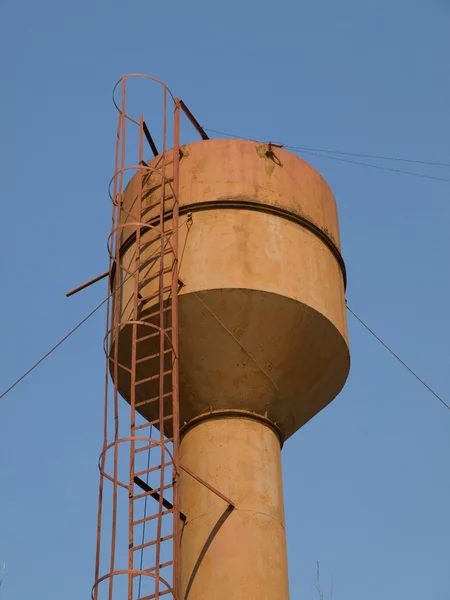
x=159, y=419
x=149, y=207
x=153, y=377
x=151, y=335
x=148, y=447
x=143, y=426
x=146, y=299
x=150, y=401
x=156, y=421
x=153, y=276
x=153, y=542
x=155, y=445
x=152, y=517
x=87, y=284
x=152, y=356
x=161, y=566
x=157, y=311
x=142, y=247
x=148, y=471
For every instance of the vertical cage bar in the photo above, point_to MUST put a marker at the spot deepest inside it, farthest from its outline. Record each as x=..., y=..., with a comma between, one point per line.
x=116, y=318
x=161, y=343
x=175, y=382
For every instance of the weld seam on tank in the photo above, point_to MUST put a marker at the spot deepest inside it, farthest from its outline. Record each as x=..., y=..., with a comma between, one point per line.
x=259, y=512
x=232, y=414
x=242, y=204
x=235, y=509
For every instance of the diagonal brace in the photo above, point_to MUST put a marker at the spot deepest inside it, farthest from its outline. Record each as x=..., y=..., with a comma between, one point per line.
x=231, y=504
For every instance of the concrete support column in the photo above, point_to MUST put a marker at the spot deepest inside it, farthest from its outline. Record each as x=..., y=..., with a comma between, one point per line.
x=241, y=554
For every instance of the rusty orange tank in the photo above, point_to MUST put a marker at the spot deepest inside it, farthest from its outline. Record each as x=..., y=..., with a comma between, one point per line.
x=263, y=347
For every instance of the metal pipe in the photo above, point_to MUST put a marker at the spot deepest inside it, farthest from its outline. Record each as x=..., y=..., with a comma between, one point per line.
x=87, y=284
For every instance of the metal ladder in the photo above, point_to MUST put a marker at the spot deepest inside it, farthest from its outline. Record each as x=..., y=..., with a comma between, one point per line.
x=140, y=528
x=143, y=561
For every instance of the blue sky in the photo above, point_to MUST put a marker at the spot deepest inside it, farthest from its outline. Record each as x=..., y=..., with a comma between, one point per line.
x=366, y=482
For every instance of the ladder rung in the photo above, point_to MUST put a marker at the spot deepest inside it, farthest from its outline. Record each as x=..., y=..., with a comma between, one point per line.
x=157, y=188
x=146, y=299
x=150, y=446
x=141, y=360
x=157, y=204
x=154, y=422
x=153, y=377
x=157, y=310
x=147, y=337
x=148, y=471
x=152, y=517
x=155, y=256
x=165, y=418
x=143, y=426
x=162, y=173
x=151, y=259
x=158, y=419
x=148, y=209
x=150, y=401
x=155, y=260
x=154, y=492
x=154, y=276
x=152, y=227
x=156, y=515
x=144, y=403
x=163, y=178
x=153, y=542
x=151, y=569
x=162, y=566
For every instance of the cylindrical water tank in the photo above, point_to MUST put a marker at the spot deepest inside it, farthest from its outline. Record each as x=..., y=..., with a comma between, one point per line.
x=262, y=323
x=263, y=343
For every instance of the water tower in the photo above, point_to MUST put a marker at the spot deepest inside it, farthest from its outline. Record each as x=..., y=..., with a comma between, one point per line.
x=227, y=333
